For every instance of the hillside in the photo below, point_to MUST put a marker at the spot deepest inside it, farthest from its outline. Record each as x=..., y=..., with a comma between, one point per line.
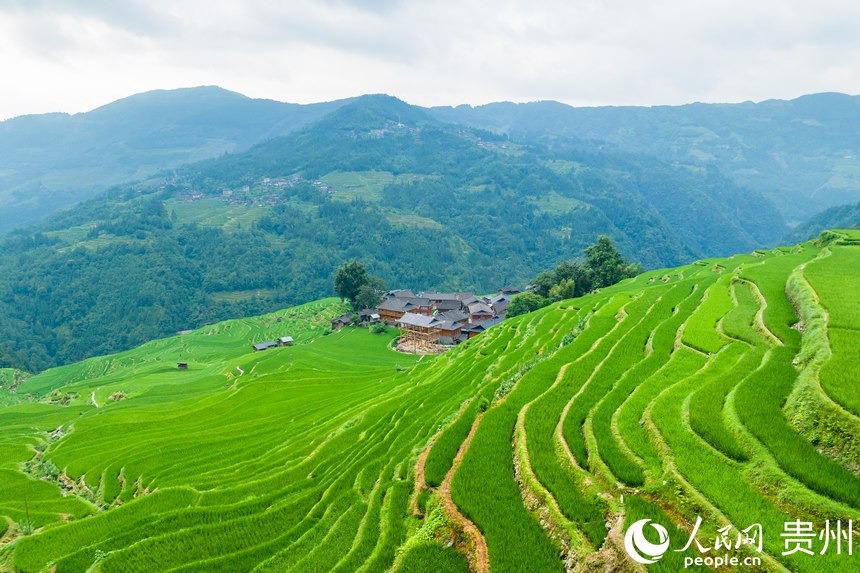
x=52, y=161
x=839, y=217
x=801, y=154
x=685, y=392
x=425, y=205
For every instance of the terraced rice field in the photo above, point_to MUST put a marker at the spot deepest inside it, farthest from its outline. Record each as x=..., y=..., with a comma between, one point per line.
x=725, y=390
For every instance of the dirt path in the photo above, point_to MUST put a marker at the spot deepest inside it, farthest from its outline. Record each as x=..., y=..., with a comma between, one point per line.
x=420, y=483
x=93, y=398
x=482, y=553
x=241, y=372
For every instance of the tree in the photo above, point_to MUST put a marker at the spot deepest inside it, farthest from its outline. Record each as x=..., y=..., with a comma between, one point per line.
x=525, y=302
x=603, y=266
x=349, y=279
x=368, y=297
x=543, y=283
x=606, y=263
x=564, y=289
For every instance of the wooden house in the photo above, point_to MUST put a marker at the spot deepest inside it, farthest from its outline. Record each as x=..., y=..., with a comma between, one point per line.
x=391, y=309
x=479, y=311
x=341, y=321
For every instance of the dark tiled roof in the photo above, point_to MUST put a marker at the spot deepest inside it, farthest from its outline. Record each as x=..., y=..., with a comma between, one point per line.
x=345, y=318
x=447, y=325
x=439, y=296
x=265, y=345
x=412, y=319
x=403, y=293
x=397, y=304
x=454, y=315
x=444, y=305
x=480, y=308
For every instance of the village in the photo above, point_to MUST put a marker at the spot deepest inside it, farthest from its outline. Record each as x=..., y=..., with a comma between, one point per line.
x=429, y=322
x=432, y=322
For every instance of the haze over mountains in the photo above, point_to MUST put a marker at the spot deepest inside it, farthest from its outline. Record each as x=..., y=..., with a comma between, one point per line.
x=801, y=154
x=423, y=201
x=52, y=161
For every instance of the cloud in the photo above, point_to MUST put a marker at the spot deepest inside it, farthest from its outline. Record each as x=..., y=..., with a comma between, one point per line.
x=74, y=55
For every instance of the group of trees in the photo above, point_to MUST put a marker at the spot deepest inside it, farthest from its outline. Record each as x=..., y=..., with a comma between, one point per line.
x=353, y=283
x=603, y=266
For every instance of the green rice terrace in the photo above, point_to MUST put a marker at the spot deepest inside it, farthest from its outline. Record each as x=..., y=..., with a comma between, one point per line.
x=725, y=390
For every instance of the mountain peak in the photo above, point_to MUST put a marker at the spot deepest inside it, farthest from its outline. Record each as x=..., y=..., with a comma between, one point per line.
x=377, y=111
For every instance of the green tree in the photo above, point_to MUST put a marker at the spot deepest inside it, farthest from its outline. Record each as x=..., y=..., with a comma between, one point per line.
x=542, y=283
x=566, y=288
x=349, y=279
x=526, y=302
x=368, y=297
x=606, y=263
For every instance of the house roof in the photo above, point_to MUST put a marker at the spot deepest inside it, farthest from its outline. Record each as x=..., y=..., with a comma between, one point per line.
x=480, y=308
x=454, y=315
x=443, y=305
x=344, y=318
x=448, y=325
x=413, y=319
x=286, y=339
x=402, y=293
x=397, y=304
x=482, y=325
x=440, y=296
x=265, y=345
x=500, y=304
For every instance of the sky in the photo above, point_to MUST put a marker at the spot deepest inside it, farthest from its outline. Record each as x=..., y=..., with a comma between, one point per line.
x=75, y=55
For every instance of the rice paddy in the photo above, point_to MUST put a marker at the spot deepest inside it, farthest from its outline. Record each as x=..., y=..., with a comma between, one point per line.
x=677, y=396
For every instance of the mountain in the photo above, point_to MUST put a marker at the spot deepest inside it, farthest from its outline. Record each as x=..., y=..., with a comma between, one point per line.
x=802, y=154
x=52, y=161
x=717, y=394
x=422, y=203
x=839, y=217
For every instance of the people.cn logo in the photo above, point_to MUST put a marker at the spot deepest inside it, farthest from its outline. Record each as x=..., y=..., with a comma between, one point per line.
x=640, y=549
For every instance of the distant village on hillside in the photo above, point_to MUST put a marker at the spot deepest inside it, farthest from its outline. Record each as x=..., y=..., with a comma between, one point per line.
x=431, y=322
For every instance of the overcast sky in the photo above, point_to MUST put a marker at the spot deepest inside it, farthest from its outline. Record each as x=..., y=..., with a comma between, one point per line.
x=74, y=55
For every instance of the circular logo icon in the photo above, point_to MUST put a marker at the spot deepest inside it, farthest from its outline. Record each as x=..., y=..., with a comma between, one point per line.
x=640, y=549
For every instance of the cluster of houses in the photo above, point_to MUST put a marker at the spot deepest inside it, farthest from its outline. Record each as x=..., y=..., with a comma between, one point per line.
x=435, y=318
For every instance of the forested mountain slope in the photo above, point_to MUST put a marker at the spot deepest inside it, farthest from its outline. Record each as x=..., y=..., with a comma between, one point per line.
x=802, y=154
x=839, y=217
x=424, y=204
x=51, y=161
